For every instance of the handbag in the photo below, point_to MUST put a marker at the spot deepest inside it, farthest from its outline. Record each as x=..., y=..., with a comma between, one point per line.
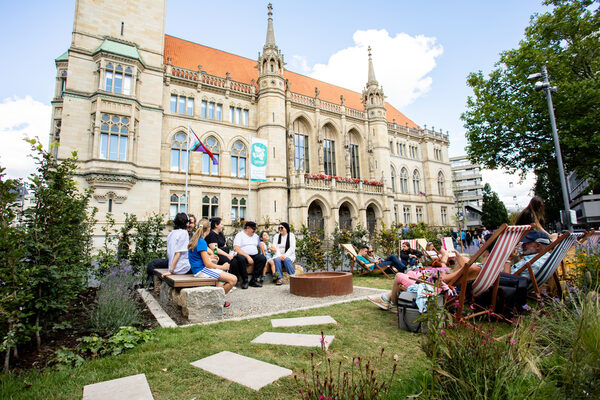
x=408, y=312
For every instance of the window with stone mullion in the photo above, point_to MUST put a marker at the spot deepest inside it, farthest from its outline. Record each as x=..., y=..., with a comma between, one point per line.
x=329, y=156
x=354, y=162
x=114, y=136
x=301, y=152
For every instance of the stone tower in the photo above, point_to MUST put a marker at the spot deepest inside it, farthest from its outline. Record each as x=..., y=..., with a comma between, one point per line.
x=378, y=151
x=272, y=197
x=109, y=102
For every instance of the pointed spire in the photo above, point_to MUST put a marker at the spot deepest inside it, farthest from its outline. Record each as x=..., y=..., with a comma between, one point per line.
x=372, y=79
x=270, y=42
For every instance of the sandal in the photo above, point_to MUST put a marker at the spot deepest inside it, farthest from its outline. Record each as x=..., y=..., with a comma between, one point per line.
x=279, y=282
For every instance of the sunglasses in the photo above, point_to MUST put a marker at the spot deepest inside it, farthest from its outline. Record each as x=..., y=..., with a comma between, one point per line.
x=281, y=227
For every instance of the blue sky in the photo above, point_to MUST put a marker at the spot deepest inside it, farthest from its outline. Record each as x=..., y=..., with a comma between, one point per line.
x=449, y=40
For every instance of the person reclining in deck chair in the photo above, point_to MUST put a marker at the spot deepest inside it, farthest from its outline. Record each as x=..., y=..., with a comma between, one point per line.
x=532, y=244
x=408, y=256
x=367, y=256
x=403, y=281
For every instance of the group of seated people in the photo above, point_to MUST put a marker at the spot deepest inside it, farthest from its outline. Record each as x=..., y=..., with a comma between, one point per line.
x=408, y=258
x=201, y=249
x=531, y=245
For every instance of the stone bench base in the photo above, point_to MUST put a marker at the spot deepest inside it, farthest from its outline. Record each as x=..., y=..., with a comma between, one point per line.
x=198, y=304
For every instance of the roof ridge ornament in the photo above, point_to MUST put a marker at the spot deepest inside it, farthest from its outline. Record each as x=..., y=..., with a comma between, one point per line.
x=270, y=41
x=371, y=77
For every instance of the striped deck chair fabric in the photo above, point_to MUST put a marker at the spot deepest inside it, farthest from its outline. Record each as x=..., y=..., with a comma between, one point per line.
x=593, y=239
x=448, y=246
x=552, y=263
x=411, y=242
x=505, y=244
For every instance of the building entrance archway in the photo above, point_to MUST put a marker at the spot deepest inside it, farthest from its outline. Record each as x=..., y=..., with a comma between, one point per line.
x=345, y=217
x=371, y=219
x=316, y=222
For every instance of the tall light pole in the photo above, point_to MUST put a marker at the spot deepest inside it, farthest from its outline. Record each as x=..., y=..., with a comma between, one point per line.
x=545, y=86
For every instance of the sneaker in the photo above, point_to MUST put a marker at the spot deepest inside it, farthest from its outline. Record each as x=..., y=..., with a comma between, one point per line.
x=226, y=304
x=380, y=303
x=232, y=289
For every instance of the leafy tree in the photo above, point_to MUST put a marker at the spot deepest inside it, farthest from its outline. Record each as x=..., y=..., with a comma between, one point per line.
x=149, y=242
x=493, y=210
x=58, y=241
x=508, y=122
x=309, y=249
x=14, y=288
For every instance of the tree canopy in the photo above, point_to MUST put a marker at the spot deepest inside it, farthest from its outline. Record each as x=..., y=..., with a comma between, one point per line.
x=507, y=122
x=493, y=210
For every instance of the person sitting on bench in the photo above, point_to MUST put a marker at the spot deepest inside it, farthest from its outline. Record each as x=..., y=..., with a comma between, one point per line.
x=200, y=262
x=177, y=246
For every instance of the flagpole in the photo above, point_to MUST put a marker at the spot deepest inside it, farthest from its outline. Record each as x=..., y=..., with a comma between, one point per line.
x=249, y=171
x=187, y=197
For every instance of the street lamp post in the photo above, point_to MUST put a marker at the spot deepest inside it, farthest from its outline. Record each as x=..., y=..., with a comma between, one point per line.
x=545, y=86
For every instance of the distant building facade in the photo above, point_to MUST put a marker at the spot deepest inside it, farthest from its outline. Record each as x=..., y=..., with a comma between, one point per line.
x=585, y=201
x=468, y=190
x=126, y=94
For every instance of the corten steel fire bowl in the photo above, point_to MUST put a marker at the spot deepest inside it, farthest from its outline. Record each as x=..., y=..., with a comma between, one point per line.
x=321, y=284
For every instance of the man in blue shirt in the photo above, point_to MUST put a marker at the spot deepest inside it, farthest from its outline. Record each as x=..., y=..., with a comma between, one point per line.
x=532, y=244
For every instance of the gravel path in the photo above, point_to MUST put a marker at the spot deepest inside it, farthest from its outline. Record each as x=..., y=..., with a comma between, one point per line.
x=272, y=299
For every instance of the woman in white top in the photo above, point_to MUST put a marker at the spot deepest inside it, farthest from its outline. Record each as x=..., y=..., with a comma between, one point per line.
x=177, y=243
x=285, y=243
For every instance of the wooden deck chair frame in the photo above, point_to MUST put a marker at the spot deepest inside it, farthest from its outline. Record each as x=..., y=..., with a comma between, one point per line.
x=490, y=272
x=559, y=249
x=592, y=238
x=353, y=252
x=581, y=240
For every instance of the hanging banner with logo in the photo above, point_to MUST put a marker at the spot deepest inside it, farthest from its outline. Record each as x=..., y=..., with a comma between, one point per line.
x=258, y=160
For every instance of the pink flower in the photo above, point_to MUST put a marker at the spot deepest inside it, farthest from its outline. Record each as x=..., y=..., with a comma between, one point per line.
x=321, y=397
x=483, y=341
x=443, y=332
x=472, y=307
x=512, y=341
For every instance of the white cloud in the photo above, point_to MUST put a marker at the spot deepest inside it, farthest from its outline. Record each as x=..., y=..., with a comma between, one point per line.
x=401, y=64
x=512, y=191
x=21, y=118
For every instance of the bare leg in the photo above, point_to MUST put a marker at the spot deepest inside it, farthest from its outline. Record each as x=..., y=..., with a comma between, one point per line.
x=229, y=279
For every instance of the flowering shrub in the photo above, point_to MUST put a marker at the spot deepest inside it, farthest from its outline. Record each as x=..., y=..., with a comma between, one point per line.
x=361, y=382
x=341, y=179
x=587, y=270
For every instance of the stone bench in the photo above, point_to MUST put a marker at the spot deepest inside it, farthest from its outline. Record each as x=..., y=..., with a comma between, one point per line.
x=199, y=299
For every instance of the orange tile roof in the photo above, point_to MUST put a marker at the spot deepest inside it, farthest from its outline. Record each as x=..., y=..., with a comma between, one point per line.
x=189, y=55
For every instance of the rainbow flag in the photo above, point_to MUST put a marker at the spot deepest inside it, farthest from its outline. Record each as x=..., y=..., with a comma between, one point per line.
x=199, y=146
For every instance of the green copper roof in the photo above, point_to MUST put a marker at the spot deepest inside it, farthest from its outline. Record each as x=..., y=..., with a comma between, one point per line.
x=63, y=57
x=120, y=49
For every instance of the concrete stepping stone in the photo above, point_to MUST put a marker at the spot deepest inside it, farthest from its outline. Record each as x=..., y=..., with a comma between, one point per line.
x=303, y=321
x=246, y=371
x=134, y=387
x=293, y=339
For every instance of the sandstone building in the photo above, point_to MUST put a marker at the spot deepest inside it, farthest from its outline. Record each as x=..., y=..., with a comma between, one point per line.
x=126, y=93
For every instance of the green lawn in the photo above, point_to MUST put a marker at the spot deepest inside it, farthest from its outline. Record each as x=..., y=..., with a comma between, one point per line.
x=362, y=330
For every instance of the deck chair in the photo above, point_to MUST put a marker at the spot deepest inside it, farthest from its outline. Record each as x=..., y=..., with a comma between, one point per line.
x=411, y=242
x=582, y=237
x=559, y=249
x=506, y=238
x=353, y=253
x=431, y=255
x=448, y=245
x=593, y=239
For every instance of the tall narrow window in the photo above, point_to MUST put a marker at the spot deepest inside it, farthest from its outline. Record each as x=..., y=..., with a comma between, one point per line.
x=245, y=118
x=190, y=106
x=208, y=167
x=238, y=209
x=219, y=112
x=232, y=115
x=179, y=153
x=203, y=106
x=127, y=79
x=444, y=213
x=238, y=160
x=210, y=207
x=354, y=162
x=238, y=115
x=329, y=156
x=211, y=110
x=416, y=182
x=440, y=182
x=114, y=131
x=419, y=212
x=393, y=180
x=300, y=145
x=403, y=181
x=173, y=106
x=118, y=84
x=406, y=215
x=109, y=77
x=178, y=203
